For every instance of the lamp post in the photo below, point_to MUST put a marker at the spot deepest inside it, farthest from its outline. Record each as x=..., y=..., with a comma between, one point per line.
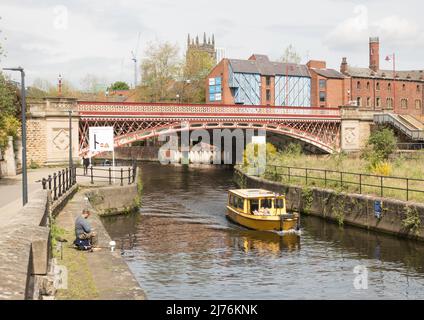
x=23, y=111
x=71, y=164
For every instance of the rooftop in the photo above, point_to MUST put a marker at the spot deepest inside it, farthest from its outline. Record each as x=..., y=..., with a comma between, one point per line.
x=260, y=64
x=253, y=193
x=412, y=75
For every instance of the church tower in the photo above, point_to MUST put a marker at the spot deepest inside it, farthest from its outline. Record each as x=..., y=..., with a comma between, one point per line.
x=207, y=45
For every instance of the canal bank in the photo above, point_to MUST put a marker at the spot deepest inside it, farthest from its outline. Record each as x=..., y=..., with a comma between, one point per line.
x=396, y=217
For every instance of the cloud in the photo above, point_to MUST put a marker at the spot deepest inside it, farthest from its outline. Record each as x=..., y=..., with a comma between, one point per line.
x=351, y=32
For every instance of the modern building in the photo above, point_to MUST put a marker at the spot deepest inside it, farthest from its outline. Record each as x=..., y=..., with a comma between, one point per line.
x=207, y=46
x=259, y=81
x=373, y=88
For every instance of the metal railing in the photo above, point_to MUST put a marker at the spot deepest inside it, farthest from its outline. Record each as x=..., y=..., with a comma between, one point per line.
x=362, y=183
x=59, y=183
x=410, y=146
x=394, y=120
x=128, y=174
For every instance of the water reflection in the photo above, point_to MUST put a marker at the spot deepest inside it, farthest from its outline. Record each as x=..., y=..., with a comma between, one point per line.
x=181, y=245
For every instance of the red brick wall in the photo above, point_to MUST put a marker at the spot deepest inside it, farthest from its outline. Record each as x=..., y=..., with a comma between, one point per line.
x=220, y=70
x=336, y=91
x=264, y=87
x=399, y=90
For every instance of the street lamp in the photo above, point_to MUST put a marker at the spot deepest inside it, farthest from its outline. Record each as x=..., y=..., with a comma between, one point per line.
x=23, y=111
x=71, y=164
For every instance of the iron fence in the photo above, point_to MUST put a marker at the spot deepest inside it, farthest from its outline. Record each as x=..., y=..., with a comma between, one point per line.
x=61, y=181
x=362, y=183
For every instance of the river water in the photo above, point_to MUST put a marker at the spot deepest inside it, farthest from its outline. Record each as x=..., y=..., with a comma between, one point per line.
x=181, y=246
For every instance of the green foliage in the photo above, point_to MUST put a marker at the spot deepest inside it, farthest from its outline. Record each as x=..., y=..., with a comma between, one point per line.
x=159, y=70
x=252, y=153
x=120, y=85
x=33, y=165
x=307, y=198
x=412, y=220
x=338, y=158
x=380, y=145
x=56, y=233
x=293, y=150
x=9, y=108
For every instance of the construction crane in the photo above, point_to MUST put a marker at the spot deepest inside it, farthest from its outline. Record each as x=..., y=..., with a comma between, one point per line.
x=134, y=54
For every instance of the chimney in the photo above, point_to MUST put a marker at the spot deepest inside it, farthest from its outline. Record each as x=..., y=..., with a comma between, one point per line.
x=343, y=66
x=374, y=54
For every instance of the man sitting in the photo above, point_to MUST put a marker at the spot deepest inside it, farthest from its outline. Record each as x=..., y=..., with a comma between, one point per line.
x=86, y=238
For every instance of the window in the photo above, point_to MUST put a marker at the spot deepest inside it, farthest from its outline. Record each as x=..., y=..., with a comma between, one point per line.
x=418, y=104
x=418, y=88
x=359, y=101
x=389, y=102
x=403, y=87
x=268, y=94
x=378, y=102
x=358, y=85
x=279, y=203
x=268, y=80
x=377, y=86
x=254, y=205
x=321, y=96
x=368, y=101
x=389, y=87
x=266, y=203
x=368, y=85
x=322, y=83
x=404, y=103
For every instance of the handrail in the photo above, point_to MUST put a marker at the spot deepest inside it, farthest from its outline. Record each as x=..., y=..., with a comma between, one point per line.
x=408, y=185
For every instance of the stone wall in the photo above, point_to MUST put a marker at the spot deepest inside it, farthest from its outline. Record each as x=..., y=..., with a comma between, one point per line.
x=36, y=141
x=352, y=209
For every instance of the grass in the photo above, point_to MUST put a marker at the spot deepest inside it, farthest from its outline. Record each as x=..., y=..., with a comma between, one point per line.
x=349, y=180
x=80, y=280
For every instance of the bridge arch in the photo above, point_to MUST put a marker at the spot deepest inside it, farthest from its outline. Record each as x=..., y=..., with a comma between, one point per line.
x=322, y=134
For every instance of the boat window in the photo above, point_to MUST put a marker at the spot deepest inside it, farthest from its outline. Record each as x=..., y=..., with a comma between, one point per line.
x=254, y=205
x=240, y=203
x=266, y=203
x=279, y=203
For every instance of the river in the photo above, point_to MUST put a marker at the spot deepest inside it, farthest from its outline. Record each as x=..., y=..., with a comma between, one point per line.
x=181, y=246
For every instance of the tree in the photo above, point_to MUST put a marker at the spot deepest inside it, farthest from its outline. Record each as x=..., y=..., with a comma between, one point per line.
x=159, y=71
x=198, y=65
x=120, y=85
x=9, y=109
x=92, y=84
x=380, y=145
x=290, y=55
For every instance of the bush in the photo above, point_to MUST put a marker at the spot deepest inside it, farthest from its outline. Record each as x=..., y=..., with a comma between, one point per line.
x=380, y=145
x=293, y=150
x=251, y=153
x=382, y=169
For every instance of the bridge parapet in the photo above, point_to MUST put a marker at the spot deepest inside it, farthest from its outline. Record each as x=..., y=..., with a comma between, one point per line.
x=169, y=109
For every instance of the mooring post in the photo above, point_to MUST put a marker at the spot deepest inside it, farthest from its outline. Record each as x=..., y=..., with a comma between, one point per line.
x=122, y=177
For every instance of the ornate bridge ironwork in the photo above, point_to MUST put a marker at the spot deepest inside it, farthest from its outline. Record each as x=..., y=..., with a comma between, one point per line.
x=140, y=121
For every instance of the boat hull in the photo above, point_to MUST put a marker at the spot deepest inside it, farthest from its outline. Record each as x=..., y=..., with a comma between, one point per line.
x=263, y=223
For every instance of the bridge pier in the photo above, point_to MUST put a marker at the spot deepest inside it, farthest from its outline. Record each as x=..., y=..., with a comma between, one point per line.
x=48, y=131
x=355, y=128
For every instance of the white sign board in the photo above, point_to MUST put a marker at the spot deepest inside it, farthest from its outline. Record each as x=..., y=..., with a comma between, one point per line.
x=100, y=139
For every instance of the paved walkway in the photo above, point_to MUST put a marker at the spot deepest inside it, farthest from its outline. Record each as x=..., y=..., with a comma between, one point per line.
x=11, y=191
x=93, y=275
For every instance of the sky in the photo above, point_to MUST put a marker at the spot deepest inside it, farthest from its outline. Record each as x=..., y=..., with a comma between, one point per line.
x=76, y=38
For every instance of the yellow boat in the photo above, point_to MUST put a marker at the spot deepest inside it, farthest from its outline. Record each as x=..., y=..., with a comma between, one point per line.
x=260, y=209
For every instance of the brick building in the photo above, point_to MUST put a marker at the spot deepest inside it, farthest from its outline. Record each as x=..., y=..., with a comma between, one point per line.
x=373, y=88
x=259, y=81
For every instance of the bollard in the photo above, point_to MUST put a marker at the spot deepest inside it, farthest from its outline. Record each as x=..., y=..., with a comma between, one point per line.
x=110, y=175
x=50, y=182
x=129, y=175
x=122, y=177
x=59, y=184
x=67, y=179
x=44, y=183
x=91, y=170
x=54, y=186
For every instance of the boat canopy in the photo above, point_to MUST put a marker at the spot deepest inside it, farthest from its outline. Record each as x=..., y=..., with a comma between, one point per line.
x=255, y=193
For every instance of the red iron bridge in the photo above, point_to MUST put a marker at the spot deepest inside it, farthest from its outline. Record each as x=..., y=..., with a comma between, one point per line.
x=140, y=121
